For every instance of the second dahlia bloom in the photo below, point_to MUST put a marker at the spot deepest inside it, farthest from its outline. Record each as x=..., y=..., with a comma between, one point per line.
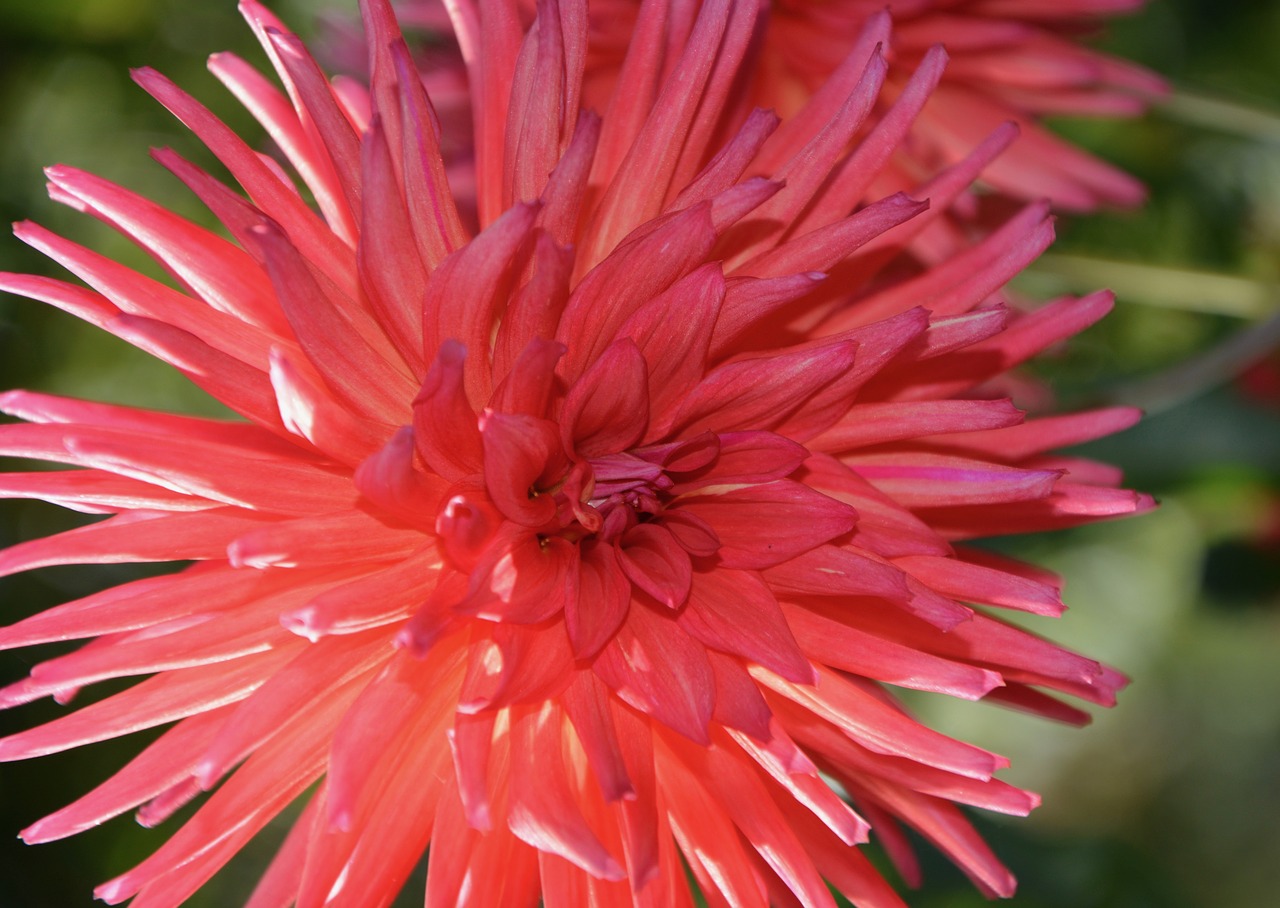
x=578, y=546
x=1014, y=61
x=1011, y=60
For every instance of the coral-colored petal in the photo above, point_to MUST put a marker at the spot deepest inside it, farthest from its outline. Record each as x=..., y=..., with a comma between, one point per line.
x=657, y=668
x=786, y=519
x=734, y=612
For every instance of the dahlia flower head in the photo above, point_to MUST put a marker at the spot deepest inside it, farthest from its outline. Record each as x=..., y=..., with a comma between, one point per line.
x=580, y=536
x=1012, y=61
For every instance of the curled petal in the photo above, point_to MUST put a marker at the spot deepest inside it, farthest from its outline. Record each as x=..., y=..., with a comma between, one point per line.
x=521, y=453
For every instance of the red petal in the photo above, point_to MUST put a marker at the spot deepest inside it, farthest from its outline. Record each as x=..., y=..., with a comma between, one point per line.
x=607, y=409
x=446, y=428
x=673, y=331
x=745, y=458
x=522, y=578
x=603, y=598
x=544, y=805
x=527, y=387
x=392, y=481
x=763, y=390
x=660, y=670
x=656, y=563
x=763, y=525
x=734, y=612
x=586, y=703
x=520, y=453
x=517, y=664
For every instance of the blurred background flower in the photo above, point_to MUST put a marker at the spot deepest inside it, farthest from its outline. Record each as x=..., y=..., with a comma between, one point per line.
x=1167, y=801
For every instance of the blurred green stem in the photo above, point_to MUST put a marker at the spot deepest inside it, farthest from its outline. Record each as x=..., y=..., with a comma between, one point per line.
x=1159, y=285
x=1199, y=374
x=1223, y=116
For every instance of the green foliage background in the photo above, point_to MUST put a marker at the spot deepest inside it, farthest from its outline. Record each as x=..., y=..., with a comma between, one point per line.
x=1168, y=801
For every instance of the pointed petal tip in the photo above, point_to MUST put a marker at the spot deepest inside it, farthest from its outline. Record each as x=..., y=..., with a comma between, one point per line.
x=146, y=75
x=610, y=870
x=207, y=773
x=301, y=622
x=340, y=819
x=38, y=833
x=479, y=817
x=416, y=641
x=113, y=892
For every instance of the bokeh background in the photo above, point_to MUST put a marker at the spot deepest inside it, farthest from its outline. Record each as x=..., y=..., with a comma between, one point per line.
x=1169, y=801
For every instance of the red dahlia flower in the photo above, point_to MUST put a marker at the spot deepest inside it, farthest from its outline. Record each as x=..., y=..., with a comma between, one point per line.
x=571, y=546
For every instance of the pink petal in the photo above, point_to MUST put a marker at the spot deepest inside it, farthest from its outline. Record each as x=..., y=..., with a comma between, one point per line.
x=543, y=809
x=327, y=670
x=673, y=331
x=516, y=664
x=653, y=560
x=343, y=537
x=374, y=600
x=466, y=292
x=135, y=536
x=880, y=423
x=392, y=275
x=739, y=703
x=602, y=601
x=786, y=519
x=607, y=409
x=586, y=703
x=522, y=578
x=734, y=612
x=155, y=701
x=315, y=242
x=761, y=391
x=646, y=263
x=975, y=583
x=392, y=480
x=838, y=646
x=654, y=666
x=527, y=387
x=344, y=345
x=164, y=763
x=521, y=453
x=745, y=458
x=880, y=727
x=446, y=428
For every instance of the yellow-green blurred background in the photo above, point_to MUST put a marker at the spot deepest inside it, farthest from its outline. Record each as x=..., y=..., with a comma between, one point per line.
x=1170, y=801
